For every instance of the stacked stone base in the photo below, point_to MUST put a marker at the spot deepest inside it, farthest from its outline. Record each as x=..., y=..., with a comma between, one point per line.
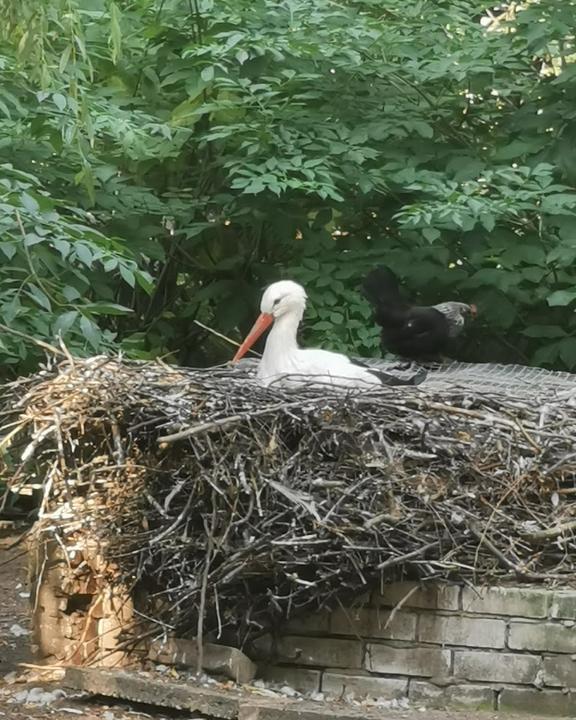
x=500, y=648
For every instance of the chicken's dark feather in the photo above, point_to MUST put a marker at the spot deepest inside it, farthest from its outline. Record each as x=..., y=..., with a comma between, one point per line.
x=408, y=330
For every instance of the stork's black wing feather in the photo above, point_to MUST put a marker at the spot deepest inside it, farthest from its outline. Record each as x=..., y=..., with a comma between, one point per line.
x=388, y=379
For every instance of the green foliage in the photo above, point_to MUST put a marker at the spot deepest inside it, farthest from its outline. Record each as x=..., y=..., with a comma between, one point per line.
x=174, y=157
x=60, y=276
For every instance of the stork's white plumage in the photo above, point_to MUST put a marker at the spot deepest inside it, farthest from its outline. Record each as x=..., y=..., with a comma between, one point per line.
x=282, y=306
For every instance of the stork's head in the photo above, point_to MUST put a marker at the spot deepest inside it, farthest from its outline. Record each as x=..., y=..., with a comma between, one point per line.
x=280, y=298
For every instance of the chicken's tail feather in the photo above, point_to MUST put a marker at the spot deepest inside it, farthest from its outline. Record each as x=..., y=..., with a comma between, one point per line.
x=380, y=287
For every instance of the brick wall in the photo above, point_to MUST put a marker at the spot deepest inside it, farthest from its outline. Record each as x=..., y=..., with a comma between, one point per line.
x=508, y=648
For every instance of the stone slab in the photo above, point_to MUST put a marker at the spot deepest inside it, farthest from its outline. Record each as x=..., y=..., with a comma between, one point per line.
x=301, y=679
x=533, y=701
x=429, y=597
x=314, y=652
x=559, y=671
x=547, y=637
x=225, y=705
x=368, y=623
x=219, y=659
x=460, y=630
x=419, y=661
x=144, y=689
x=339, y=684
x=472, y=697
x=513, y=601
x=496, y=667
x=563, y=605
x=266, y=710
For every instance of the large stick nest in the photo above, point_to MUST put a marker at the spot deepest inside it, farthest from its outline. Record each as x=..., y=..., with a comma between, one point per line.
x=265, y=502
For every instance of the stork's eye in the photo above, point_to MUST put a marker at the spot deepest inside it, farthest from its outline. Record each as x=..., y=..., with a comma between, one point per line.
x=276, y=301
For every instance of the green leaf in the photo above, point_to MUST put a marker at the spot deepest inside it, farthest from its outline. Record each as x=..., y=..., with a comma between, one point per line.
x=145, y=281
x=71, y=293
x=488, y=221
x=8, y=249
x=10, y=310
x=29, y=202
x=544, y=331
x=561, y=298
x=431, y=234
x=65, y=321
x=559, y=203
x=115, y=32
x=63, y=64
x=128, y=275
x=90, y=331
x=102, y=308
x=32, y=239
x=63, y=247
x=567, y=352
x=39, y=296
x=547, y=355
x=207, y=74
x=60, y=101
x=84, y=254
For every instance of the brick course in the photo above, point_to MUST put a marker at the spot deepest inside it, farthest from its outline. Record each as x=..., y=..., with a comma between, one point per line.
x=473, y=697
x=429, y=597
x=550, y=637
x=518, y=602
x=459, y=630
x=420, y=661
x=372, y=624
x=496, y=667
x=338, y=684
x=511, y=648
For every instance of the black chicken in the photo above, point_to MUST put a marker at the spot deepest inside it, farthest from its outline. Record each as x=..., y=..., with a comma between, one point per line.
x=412, y=331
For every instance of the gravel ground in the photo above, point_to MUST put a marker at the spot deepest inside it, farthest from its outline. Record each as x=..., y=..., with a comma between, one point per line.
x=31, y=693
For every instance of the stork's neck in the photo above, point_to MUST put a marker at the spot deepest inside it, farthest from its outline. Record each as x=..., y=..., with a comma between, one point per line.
x=281, y=340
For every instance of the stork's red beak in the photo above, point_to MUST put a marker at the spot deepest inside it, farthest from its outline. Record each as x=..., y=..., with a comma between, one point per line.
x=473, y=310
x=263, y=323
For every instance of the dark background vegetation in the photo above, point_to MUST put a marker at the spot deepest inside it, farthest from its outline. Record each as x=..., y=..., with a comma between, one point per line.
x=162, y=160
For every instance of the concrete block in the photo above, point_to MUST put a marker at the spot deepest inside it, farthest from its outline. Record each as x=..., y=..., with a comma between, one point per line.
x=559, y=671
x=278, y=710
x=219, y=659
x=548, y=637
x=224, y=704
x=316, y=652
x=301, y=679
x=563, y=605
x=472, y=697
x=338, y=684
x=371, y=624
x=547, y=702
x=437, y=596
x=459, y=630
x=513, y=601
x=419, y=661
x=496, y=667
x=145, y=689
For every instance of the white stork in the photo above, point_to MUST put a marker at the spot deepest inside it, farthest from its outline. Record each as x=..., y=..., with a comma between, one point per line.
x=282, y=306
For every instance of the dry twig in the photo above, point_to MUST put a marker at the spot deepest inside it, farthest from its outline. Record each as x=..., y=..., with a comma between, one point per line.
x=227, y=506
